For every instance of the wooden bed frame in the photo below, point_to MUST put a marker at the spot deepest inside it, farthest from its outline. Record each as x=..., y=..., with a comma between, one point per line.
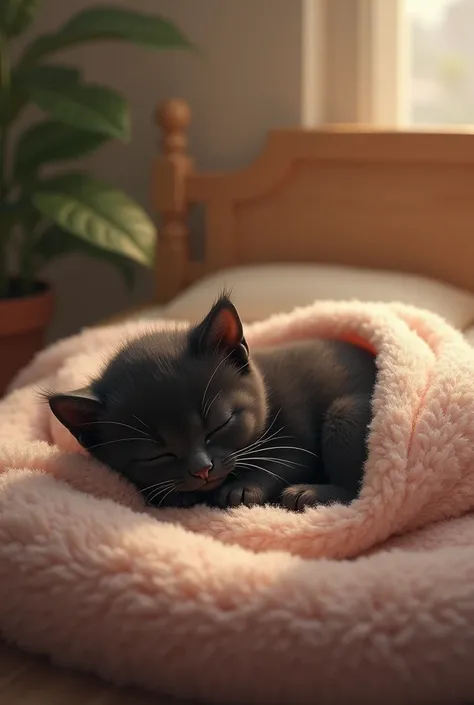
x=345, y=195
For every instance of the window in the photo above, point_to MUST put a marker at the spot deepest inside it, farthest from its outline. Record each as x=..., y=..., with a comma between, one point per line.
x=440, y=66
x=391, y=62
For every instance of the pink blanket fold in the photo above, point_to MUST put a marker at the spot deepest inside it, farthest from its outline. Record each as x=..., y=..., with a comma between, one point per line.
x=256, y=605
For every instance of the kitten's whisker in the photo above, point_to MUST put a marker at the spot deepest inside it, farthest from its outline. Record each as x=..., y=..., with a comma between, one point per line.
x=274, y=419
x=264, y=438
x=261, y=440
x=256, y=446
x=287, y=463
x=148, y=496
x=165, y=496
x=168, y=490
x=260, y=468
x=303, y=450
x=140, y=421
x=208, y=407
x=122, y=440
x=267, y=431
x=262, y=444
x=155, y=486
x=115, y=423
x=213, y=375
x=246, y=364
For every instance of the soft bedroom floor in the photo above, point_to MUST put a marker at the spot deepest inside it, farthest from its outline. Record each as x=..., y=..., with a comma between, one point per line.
x=31, y=680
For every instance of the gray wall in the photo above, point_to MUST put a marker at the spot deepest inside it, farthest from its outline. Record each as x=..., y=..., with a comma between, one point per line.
x=247, y=81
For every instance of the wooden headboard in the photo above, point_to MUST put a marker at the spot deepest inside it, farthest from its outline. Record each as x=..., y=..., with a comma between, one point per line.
x=344, y=195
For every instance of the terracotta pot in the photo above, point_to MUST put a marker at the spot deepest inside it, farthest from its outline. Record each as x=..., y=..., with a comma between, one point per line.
x=23, y=322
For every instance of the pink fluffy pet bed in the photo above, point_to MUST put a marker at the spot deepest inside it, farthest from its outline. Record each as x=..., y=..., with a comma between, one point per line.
x=256, y=605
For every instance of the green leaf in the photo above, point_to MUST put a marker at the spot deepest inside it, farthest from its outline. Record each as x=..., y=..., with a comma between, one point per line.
x=47, y=76
x=37, y=76
x=98, y=214
x=49, y=142
x=16, y=16
x=55, y=242
x=90, y=108
x=110, y=23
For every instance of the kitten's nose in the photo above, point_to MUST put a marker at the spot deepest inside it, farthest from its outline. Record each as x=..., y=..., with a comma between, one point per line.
x=203, y=472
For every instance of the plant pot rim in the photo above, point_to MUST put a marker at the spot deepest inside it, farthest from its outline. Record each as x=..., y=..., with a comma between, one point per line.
x=26, y=313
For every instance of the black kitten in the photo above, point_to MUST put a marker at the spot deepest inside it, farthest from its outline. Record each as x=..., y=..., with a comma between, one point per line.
x=190, y=416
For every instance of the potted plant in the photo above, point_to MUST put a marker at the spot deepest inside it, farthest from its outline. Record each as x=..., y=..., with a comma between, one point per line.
x=44, y=216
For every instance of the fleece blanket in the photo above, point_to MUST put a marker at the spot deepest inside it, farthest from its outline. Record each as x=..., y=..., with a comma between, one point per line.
x=363, y=604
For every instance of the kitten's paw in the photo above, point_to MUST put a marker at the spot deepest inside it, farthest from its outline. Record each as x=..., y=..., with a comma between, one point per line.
x=297, y=497
x=236, y=493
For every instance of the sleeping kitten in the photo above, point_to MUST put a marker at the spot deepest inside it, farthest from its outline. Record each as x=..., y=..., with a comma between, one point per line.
x=191, y=417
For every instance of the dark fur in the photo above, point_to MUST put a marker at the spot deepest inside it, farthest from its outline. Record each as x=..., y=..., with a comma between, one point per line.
x=190, y=416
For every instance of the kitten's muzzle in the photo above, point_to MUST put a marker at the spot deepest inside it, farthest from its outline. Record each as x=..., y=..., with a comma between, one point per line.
x=203, y=473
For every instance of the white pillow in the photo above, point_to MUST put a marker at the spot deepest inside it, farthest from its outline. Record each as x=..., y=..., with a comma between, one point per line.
x=259, y=291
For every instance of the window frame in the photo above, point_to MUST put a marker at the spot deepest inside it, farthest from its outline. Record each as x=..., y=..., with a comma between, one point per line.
x=384, y=58
x=354, y=62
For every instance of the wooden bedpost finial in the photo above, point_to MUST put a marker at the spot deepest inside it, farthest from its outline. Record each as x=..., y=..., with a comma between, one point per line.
x=173, y=117
x=170, y=197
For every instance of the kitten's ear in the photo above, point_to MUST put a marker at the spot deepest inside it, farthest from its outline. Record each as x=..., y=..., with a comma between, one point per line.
x=78, y=412
x=221, y=331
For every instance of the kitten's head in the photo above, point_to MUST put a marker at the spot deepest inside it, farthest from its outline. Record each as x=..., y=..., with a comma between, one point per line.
x=173, y=407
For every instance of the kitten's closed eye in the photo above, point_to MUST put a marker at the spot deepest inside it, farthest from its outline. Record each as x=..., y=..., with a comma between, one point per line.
x=216, y=431
x=157, y=458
